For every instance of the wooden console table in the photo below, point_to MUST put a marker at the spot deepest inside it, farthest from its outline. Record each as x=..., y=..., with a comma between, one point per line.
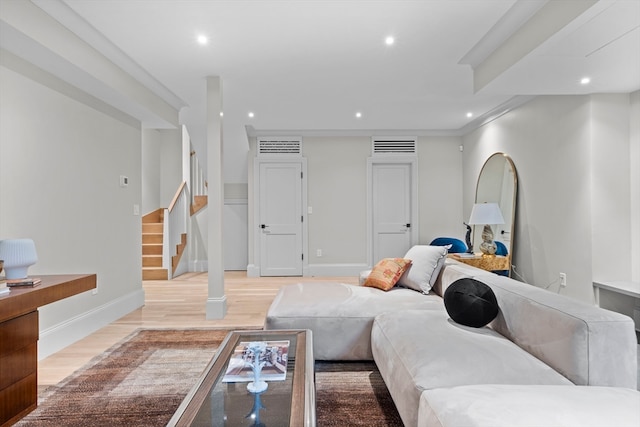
x=19, y=340
x=485, y=262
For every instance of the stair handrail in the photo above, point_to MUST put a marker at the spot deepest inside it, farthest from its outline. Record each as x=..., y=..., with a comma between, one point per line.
x=175, y=225
x=177, y=195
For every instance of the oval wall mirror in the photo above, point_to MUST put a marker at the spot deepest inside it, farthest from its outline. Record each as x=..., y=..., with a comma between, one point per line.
x=498, y=183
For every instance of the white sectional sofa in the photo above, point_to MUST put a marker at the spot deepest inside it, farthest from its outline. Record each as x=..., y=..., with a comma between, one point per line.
x=546, y=348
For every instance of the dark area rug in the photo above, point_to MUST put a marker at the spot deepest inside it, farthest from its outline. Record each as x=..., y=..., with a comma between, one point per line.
x=142, y=380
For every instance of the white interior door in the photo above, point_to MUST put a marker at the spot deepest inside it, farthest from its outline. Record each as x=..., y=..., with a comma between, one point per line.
x=392, y=212
x=280, y=214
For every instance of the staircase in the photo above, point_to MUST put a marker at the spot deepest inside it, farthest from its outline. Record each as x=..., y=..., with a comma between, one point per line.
x=199, y=202
x=152, y=244
x=152, y=239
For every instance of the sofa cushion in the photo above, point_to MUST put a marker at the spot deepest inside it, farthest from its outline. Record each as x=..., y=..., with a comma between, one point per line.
x=587, y=344
x=341, y=315
x=529, y=406
x=426, y=263
x=470, y=303
x=417, y=350
x=386, y=272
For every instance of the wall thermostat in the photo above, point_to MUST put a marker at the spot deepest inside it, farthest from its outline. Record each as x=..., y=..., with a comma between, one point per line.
x=124, y=181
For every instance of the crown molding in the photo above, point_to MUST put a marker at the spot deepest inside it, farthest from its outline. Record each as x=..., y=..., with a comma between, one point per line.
x=480, y=121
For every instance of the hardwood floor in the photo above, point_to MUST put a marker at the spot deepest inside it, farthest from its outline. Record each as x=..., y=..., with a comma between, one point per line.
x=178, y=303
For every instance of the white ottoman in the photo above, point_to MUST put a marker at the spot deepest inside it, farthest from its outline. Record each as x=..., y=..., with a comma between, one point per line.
x=341, y=315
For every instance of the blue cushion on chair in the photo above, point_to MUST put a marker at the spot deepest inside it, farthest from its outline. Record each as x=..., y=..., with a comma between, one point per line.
x=501, y=249
x=457, y=245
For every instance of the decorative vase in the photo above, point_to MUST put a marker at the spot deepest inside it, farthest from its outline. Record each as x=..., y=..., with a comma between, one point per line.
x=18, y=256
x=257, y=385
x=488, y=246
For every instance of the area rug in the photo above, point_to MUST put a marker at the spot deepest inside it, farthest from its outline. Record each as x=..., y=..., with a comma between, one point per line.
x=142, y=380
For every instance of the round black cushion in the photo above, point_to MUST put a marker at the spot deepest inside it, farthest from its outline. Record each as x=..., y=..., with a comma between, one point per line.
x=470, y=303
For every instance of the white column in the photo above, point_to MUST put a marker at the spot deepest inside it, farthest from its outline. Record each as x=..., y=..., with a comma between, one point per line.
x=217, y=301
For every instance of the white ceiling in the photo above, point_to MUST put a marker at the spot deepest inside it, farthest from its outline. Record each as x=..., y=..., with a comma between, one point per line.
x=310, y=65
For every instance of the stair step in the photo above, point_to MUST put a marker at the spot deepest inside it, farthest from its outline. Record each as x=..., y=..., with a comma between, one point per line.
x=152, y=227
x=155, y=216
x=155, y=274
x=152, y=260
x=151, y=249
x=151, y=238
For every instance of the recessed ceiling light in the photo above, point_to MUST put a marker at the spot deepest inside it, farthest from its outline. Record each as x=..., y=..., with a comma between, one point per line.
x=469, y=115
x=389, y=40
x=585, y=80
x=358, y=115
x=221, y=114
x=251, y=114
x=202, y=39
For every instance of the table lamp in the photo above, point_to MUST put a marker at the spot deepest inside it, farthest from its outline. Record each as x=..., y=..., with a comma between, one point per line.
x=486, y=214
x=18, y=256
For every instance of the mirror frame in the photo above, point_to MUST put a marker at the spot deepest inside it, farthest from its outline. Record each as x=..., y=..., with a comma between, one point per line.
x=478, y=229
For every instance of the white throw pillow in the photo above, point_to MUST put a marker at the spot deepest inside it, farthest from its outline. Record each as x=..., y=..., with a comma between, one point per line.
x=427, y=261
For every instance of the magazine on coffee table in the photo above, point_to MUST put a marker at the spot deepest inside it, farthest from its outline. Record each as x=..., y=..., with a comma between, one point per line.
x=274, y=356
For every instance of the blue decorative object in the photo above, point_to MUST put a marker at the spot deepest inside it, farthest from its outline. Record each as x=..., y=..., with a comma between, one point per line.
x=457, y=245
x=254, y=415
x=501, y=249
x=257, y=385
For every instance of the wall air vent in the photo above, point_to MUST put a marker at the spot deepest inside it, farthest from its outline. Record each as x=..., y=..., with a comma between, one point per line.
x=384, y=146
x=280, y=146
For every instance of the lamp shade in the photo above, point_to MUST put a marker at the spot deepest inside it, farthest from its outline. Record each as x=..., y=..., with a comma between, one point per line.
x=486, y=213
x=18, y=255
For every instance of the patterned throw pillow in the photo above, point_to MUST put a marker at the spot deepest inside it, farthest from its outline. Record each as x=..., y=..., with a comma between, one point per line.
x=386, y=273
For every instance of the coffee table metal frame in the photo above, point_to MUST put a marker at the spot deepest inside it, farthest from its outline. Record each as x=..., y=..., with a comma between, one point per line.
x=303, y=402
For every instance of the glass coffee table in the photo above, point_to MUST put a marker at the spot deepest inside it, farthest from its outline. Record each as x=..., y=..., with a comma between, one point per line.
x=222, y=395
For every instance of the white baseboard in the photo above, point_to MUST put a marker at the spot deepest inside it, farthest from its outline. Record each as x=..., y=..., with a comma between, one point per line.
x=253, y=270
x=57, y=337
x=216, y=308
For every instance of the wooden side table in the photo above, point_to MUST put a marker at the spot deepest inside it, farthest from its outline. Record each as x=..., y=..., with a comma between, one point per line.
x=19, y=340
x=485, y=262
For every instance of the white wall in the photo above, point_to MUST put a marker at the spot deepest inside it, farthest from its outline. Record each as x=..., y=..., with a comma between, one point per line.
x=610, y=187
x=560, y=149
x=161, y=167
x=171, y=164
x=235, y=219
x=440, y=188
x=337, y=194
x=634, y=156
x=151, y=168
x=61, y=155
